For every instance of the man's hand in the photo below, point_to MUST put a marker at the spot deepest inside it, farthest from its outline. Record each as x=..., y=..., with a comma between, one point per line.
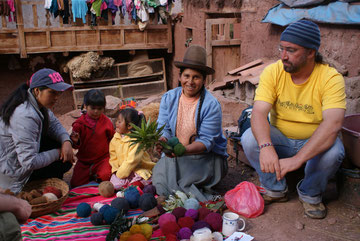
x=67, y=154
x=269, y=161
x=288, y=165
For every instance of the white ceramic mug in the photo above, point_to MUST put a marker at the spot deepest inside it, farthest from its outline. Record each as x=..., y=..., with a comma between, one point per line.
x=231, y=223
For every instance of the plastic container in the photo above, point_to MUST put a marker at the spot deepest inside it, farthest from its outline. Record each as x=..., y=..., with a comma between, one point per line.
x=351, y=138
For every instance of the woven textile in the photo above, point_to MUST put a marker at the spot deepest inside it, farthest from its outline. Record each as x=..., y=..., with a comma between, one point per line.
x=65, y=224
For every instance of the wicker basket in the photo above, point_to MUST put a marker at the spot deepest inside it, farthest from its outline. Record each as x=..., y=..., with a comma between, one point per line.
x=52, y=206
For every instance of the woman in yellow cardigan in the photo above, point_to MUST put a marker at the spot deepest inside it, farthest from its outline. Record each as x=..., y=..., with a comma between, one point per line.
x=128, y=166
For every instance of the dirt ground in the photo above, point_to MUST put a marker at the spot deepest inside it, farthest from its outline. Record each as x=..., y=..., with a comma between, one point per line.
x=286, y=221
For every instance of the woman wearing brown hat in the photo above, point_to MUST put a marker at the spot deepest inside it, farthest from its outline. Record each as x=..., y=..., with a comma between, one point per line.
x=194, y=116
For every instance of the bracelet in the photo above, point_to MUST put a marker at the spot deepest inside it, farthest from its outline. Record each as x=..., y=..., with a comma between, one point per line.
x=265, y=145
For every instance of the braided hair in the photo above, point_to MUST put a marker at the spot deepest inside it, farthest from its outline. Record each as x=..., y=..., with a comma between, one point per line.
x=202, y=97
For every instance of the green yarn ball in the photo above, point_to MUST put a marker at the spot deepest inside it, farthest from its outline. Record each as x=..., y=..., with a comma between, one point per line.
x=179, y=149
x=173, y=141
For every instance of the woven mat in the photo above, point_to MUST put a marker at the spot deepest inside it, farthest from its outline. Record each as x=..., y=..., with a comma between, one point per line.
x=65, y=224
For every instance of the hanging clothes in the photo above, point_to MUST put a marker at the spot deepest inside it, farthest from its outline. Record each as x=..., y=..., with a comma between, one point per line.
x=129, y=7
x=47, y=4
x=96, y=7
x=54, y=8
x=12, y=9
x=79, y=9
x=118, y=3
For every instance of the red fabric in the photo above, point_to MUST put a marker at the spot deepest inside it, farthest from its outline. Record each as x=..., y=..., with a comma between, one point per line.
x=93, y=154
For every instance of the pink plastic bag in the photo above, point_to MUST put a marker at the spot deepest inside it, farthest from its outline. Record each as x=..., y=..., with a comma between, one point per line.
x=245, y=200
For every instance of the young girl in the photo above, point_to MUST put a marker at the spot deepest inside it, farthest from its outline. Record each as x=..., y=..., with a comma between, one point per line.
x=92, y=133
x=128, y=166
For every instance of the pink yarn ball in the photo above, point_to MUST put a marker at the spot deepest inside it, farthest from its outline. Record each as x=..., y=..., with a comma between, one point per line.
x=166, y=217
x=203, y=212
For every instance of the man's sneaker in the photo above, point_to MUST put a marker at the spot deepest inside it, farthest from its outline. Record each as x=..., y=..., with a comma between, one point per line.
x=268, y=199
x=316, y=211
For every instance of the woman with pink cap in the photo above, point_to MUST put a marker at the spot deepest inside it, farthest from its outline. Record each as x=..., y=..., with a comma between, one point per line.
x=33, y=143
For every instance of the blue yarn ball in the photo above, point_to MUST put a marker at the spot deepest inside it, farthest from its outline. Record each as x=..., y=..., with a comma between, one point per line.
x=132, y=195
x=110, y=215
x=147, y=201
x=97, y=219
x=83, y=210
x=121, y=204
x=103, y=208
x=192, y=203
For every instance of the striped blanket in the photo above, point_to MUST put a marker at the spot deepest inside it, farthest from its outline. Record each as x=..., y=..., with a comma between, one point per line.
x=65, y=224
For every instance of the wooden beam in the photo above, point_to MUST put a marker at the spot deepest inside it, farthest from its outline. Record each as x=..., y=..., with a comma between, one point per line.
x=35, y=16
x=20, y=27
x=208, y=46
x=169, y=40
x=3, y=21
x=246, y=66
x=48, y=39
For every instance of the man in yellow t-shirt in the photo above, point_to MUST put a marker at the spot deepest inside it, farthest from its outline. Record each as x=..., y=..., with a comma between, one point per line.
x=306, y=101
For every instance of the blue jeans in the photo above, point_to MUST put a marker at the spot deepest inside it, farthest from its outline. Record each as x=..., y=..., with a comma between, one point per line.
x=318, y=170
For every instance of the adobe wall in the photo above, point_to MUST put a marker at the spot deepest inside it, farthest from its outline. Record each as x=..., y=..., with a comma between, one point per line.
x=340, y=44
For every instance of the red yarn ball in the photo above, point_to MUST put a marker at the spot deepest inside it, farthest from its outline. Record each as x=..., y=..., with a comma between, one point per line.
x=215, y=221
x=170, y=228
x=186, y=222
x=166, y=217
x=53, y=190
x=179, y=212
x=203, y=212
x=171, y=237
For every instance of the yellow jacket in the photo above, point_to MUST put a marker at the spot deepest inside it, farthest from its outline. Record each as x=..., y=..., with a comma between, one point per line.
x=124, y=159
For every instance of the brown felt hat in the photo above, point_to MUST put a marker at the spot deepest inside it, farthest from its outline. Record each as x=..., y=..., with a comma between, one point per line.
x=195, y=58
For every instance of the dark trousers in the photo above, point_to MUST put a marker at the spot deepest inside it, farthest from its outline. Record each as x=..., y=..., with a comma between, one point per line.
x=55, y=169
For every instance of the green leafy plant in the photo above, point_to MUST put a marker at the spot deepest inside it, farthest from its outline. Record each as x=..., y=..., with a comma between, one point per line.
x=147, y=135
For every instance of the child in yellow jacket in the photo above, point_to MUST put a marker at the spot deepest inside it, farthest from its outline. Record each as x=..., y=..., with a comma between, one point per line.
x=128, y=166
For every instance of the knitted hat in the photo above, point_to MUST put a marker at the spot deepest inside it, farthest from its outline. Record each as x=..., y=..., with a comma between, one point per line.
x=304, y=33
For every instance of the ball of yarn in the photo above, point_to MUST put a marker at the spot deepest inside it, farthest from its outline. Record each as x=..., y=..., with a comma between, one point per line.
x=110, y=215
x=83, y=210
x=132, y=195
x=203, y=212
x=54, y=190
x=215, y=221
x=106, y=189
x=179, y=212
x=192, y=203
x=150, y=189
x=192, y=213
x=170, y=227
x=103, y=208
x=121, y=204
x=125, y=235
x=137, y=237
x=186, y=222
x=184, y=233
x=200, y=224
x=147, y=230
x=166, y=217
x=97, y=219
x=50, y=196
x=170, y=237
x=136, y=228
x=147, y=201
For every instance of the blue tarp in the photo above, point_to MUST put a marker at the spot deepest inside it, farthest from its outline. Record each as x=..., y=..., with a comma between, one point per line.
x=335, y=12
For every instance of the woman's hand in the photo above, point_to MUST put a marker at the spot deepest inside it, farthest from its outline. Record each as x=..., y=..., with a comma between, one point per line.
x=22, y=210
x=66, y=153
x=158, y=147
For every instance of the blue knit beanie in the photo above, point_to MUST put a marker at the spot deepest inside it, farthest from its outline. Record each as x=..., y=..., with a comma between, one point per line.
x=304, y=33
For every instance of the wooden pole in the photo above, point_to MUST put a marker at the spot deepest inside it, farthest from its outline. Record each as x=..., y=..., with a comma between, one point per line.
x=20, y=28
